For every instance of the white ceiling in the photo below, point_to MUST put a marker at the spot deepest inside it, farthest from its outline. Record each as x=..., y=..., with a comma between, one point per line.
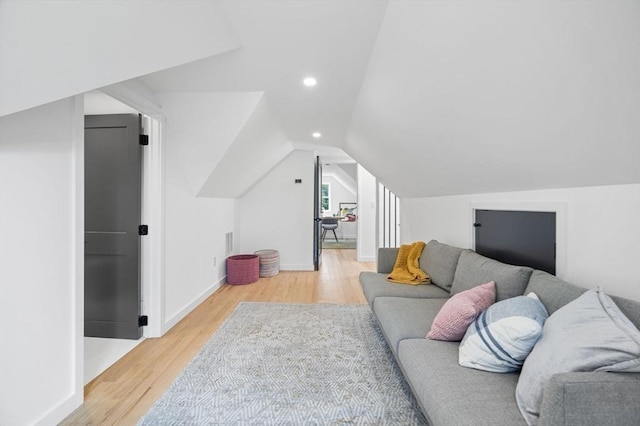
x=443, y=97
x=282, y=43
x=50, y=50
x=475, y=97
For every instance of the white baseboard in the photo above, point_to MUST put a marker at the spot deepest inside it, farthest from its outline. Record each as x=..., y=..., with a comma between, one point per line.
x=191, y=306
x=296, y=267
x=366, y=258
x=62, y=410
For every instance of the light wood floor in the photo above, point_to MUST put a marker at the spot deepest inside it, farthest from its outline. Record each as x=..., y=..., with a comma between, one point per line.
x=127, y=390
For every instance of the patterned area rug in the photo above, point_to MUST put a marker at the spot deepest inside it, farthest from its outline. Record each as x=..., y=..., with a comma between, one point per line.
x=290, y=364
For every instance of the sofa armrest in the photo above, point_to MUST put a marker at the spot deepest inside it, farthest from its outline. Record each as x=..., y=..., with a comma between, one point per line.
x=591, y=399
x=387, y=259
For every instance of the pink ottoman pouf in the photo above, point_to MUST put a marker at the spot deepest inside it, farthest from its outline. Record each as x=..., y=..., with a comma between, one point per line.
x=243, y=269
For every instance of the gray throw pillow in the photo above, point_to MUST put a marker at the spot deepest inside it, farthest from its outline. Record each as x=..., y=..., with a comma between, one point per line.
x=588, y=334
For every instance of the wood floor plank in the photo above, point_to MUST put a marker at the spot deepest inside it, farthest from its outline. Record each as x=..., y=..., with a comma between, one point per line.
x=127, y=390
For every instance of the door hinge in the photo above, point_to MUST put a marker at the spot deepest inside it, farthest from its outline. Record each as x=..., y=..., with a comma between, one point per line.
x=143, y=320
x=144, y=139
x=143, y=230
x=477, y=225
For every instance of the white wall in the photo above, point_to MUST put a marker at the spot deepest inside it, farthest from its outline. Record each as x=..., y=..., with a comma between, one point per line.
x=278, y=213
x=338, y=194
x=342, y=176
x=195, y=227
x=367, y=187
x=41, y=280
x=78, y=40
x=97, y=102
x=601, y=237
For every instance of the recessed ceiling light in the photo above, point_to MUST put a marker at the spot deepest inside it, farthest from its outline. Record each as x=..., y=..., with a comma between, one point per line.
x=309, y=81
x=316, y=135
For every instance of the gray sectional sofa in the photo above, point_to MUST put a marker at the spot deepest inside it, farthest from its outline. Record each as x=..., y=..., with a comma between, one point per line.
x=449, y=394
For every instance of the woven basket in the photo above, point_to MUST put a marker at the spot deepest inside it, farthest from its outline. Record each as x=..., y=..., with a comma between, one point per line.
x=243, y=269
x=269, y=262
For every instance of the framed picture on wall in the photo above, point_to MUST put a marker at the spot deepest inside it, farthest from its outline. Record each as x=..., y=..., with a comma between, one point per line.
x=348, y=210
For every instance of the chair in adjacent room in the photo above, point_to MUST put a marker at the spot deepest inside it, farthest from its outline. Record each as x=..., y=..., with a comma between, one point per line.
x=329, y=224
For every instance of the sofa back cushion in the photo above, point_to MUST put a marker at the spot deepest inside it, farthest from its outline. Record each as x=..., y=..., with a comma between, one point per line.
x=387, y=259
x=439, y=261
x=554, y=293
x=474, y=269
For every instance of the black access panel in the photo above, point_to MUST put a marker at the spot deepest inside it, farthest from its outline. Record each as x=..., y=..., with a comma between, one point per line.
x=523, y=238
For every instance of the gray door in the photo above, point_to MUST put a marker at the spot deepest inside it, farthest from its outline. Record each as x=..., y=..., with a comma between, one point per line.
x=317, y=212
x=526, y=238
x=113, y=162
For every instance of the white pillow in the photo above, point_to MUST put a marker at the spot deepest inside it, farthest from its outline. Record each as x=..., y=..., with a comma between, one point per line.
x=502, y=336
x=587, y=334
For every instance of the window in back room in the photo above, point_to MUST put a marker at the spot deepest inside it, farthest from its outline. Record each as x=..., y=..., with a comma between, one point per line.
x=326, y=197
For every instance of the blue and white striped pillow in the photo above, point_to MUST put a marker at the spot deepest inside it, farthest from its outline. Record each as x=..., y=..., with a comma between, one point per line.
x=501, y=337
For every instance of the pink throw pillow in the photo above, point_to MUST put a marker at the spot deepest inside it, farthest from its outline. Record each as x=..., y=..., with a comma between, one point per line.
x=461, y=309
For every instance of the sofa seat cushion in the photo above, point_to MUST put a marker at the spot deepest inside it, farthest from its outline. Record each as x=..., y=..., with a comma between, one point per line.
x=405, y=318
x=474, y=269
x=453, y=395
x=376, y=285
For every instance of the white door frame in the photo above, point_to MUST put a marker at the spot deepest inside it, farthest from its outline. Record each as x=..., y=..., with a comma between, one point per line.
x=152, y=245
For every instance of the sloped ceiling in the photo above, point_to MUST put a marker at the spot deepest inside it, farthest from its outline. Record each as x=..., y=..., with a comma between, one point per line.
x=282, y=43
x=259, y=147
x=51, y=50
x=474, y=97
x=441, y=97
x=350, y=169
x=206, y=126
x=345, y=178
x=432, y=97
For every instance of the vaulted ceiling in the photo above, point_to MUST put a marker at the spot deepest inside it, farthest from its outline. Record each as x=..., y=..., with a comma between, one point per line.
x=475, y=97
x=444, y=97
x=282, y=42
x=432, y=97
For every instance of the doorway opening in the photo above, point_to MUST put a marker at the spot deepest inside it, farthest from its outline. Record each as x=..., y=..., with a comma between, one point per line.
x=362, y=205
x=339, y=202
x=102, y=352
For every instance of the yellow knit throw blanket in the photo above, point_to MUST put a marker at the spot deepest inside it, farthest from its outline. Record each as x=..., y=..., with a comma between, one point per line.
x=407, y=267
